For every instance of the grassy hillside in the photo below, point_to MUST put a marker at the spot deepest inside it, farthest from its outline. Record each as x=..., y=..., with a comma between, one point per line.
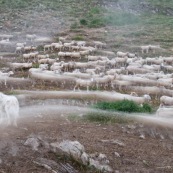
x=129, y=22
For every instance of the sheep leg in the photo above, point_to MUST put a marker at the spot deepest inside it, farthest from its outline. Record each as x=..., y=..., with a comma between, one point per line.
x=87, y=88
x=75, y=88
x=8, y=116
x=5, y=82
x=97, y=85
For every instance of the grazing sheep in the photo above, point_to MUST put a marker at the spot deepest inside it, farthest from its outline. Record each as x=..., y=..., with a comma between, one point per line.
x=43, y=56
x=165, y=100
x=5, y=43
x=58, y=47
x=6, y=75
x=84, y=83
x=75, y=48
x=43, y=66
x=134, y=94
x=122, y=54
x=81, y=43
x=166, y=82
x=93, y=58
x=84, y=52
x=62, y=39
x=30, y=37
x=56, y=67
x=29, y=48
x=75, y=55
x=26, y=56
x=15, y=66
x=68, y=45
x=21, y=44
x=9, y=108
x=91, y=49
x=19, y=50
x=132, y=55
x=104, y=81
x=145, y=49
x=43, y=61
x=154, y=47
x=6, y=37
x=47, y=47
x=99, y=44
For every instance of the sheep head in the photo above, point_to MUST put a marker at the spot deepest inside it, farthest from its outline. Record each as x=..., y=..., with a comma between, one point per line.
x=147, y=98
x=10, y=72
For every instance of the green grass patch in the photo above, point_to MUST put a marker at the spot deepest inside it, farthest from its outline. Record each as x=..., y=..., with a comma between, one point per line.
x=106, y=118
x=36, y=65
x=101, y=117
x=78, y=38
x=121, y=18
x=124, y=106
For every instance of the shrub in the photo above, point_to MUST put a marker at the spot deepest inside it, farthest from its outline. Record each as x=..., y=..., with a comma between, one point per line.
x=78, y=38
x=106, y=118
x=124, y=106
x=83, y=22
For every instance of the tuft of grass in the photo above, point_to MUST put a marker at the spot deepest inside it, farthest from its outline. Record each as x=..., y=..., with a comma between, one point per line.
x=83, y=22
x=106, y=118
x=124, y=106
x=74, y=25
x=78, y=38
x=36, y=65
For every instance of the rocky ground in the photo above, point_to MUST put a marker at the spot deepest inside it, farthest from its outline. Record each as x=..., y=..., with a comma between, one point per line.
x=129, y=147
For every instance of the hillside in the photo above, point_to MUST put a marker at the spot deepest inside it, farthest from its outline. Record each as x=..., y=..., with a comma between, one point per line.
x=128, y=23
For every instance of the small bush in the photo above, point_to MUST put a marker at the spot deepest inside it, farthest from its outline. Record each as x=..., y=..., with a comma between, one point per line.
x=74, y=25
x=83, y=22
x=96, y=23
x=78, y=38
x=124, y=106
x=36, y=65
x=105, y=118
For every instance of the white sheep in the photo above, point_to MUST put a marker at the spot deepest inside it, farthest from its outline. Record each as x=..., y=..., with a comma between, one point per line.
x=75, y=55
x=19, y=50
x=165, y=100
x=9, y=108
x=61, y=54
x=43, y=56
x=99, y=44
x=84, y=83
x=43, y=66
x=122, y=54
x=81, y=43
x=43, y=61
x=26, y=56
x=21, y=44
x=6, y=75
x=29, y=48
x=68, y=45
x=6, y=37
x=30, y=37
x=84, y=52
x=47, y=47
x=154, y=47
x=132, y=55
x=145, y=49
x=62, y=39
x=15, y=66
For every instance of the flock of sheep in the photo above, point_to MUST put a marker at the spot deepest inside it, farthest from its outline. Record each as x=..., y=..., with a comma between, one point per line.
x=87, y=66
